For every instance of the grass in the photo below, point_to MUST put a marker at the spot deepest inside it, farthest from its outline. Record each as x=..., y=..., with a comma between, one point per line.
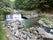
x=2, y=32
x=44, y=16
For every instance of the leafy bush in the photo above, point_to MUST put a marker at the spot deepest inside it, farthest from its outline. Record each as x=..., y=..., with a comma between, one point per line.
x=5, y=10
x=5, y=7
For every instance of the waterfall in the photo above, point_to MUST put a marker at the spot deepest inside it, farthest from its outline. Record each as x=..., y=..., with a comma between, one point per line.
x=15, y=16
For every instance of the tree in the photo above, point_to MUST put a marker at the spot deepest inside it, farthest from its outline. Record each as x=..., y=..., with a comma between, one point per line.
x=33, y=4
x=26, y=4
x=5, y=8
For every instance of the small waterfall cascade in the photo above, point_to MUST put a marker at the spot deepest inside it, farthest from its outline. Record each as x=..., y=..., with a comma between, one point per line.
x=15, y=16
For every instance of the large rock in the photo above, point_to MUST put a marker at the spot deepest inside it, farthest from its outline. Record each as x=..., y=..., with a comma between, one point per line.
x=44, y=34
x=46, y=22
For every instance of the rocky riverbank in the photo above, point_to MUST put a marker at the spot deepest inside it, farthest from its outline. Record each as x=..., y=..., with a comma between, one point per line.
x=42, y=28
x=19, y=32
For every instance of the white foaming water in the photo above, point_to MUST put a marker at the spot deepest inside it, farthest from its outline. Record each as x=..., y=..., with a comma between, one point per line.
x=14, y=17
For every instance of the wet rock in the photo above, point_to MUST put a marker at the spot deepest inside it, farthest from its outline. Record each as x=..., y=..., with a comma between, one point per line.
x=32, y=33
x=44, y=34
x=47, y=39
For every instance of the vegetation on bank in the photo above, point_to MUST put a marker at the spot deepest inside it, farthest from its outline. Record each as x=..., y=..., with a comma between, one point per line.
x=46, y=21
x=34, y=4
x=6, y=5
x=2, y=31
x=6, y=8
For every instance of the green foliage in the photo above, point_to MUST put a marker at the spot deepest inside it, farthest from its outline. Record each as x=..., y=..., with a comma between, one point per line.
x=44, y=16
x=33, y=4
x=1, y=17
x=2, y=32
x=5, y=7
x=6, y=3
x=5, y=10
x=1, y=4
x=50, y=3
x=47, y=20
x=26, y=4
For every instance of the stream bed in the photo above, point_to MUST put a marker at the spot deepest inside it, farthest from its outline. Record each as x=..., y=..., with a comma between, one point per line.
x=27, y=29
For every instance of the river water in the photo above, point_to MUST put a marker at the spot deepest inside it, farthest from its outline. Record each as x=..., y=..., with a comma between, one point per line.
x=25, y=22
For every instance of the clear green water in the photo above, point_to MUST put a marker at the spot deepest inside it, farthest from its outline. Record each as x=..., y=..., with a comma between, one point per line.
x=27, y=22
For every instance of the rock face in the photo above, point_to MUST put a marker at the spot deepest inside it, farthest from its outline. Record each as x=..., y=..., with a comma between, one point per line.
x=18, y=32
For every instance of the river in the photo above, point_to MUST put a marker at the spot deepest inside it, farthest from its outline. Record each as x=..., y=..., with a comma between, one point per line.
x=14, y=21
